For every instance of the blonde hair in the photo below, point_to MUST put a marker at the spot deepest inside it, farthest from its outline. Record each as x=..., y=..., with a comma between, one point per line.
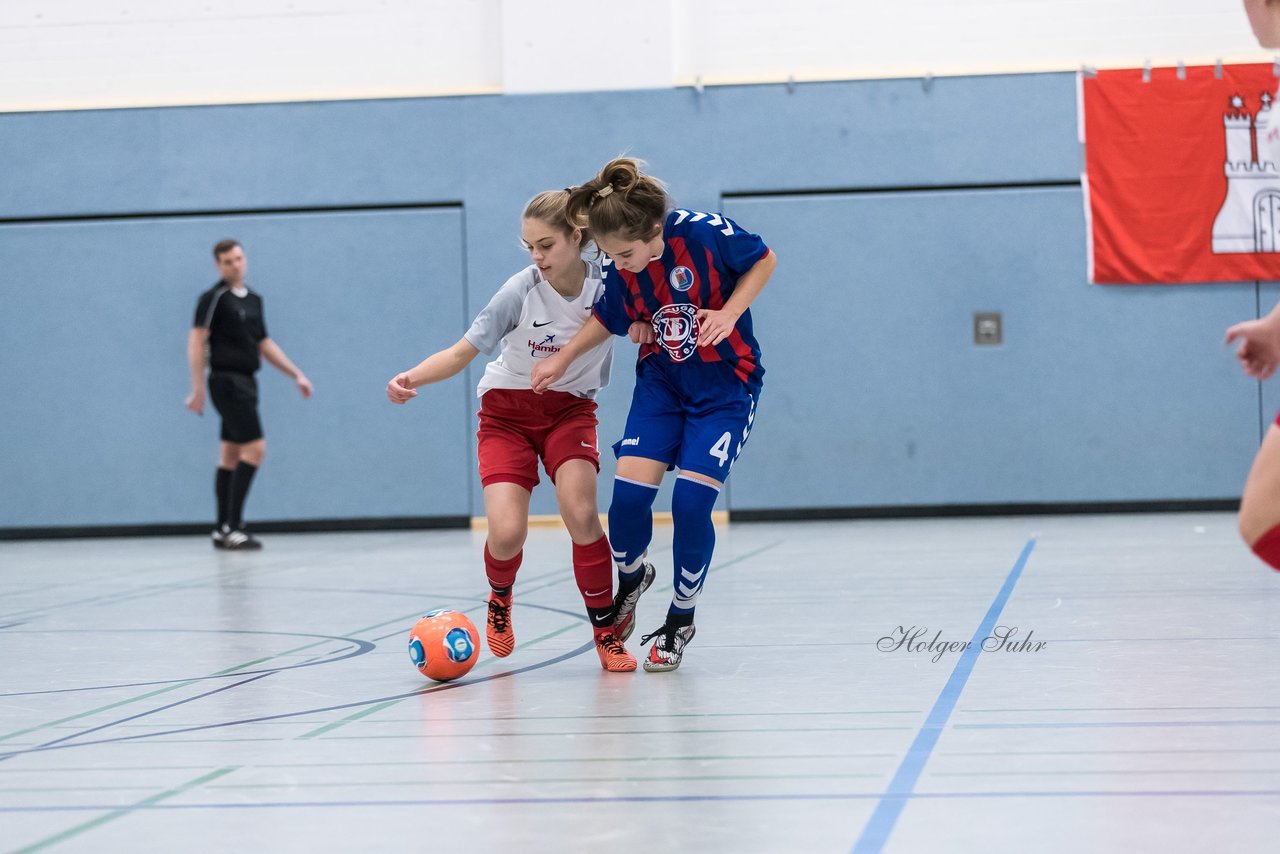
x=621, y=201
x=550, y=207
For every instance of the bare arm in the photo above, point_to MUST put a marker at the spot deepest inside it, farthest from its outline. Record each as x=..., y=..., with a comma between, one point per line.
x=195, y=359
x=436, y=367
x=1258, y=344
x=271, y=351
x=715, y=326
x=1264, y=17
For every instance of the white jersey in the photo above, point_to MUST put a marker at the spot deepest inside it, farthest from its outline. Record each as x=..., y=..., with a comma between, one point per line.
x=533, y=321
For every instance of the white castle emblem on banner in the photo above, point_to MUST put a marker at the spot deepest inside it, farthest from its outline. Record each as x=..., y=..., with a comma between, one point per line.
x=1250, y=217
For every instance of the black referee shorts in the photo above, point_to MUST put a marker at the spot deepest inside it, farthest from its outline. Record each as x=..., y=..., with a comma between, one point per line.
x=235, y=396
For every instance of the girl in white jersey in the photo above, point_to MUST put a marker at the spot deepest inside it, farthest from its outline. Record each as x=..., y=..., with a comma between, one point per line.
x=532, y=316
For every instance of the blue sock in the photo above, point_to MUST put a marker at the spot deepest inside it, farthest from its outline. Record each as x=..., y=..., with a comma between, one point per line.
x=630, y=526
x=695, y=539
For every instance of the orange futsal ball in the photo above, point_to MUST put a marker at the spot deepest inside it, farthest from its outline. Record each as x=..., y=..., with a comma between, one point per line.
x=444, y=645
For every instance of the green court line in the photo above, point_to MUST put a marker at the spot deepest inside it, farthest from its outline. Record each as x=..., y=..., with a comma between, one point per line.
x=175, y=687
x=123, y=811
x=273, y=740
x=245, y=665
x=524, y=592
x=557, y=572
x=166, y=587
x=372, y=709
x=103, y=768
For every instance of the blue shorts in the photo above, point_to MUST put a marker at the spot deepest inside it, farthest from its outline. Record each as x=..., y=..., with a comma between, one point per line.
x=694, y=417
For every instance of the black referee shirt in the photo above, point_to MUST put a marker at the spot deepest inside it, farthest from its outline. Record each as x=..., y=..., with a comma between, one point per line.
x=236, y=327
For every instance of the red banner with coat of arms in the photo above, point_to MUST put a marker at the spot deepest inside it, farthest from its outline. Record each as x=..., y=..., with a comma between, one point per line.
x=1181, y=179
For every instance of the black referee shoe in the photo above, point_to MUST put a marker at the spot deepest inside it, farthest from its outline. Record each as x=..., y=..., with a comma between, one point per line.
x=240, y=540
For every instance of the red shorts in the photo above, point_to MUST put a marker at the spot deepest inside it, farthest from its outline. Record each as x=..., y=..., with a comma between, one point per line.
x=517, y=427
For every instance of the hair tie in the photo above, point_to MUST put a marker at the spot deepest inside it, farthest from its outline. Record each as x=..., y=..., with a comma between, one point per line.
x=606, y=190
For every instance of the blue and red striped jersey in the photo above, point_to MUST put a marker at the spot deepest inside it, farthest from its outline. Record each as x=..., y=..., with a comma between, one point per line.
x=703, y=257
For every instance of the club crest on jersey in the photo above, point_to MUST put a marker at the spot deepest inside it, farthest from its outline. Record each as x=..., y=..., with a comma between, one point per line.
x=677, y=329
x=681, y=279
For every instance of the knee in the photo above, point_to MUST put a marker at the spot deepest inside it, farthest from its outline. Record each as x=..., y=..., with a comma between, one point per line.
x=1265, y=545
x=505, y=541
x=1245, y=527
x=693, y=498
x=583, y=521
x=630, y=497
x=253, y=453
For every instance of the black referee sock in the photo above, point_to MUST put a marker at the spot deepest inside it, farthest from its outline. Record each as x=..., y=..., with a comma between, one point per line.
x=222, y=486
x=241, y=479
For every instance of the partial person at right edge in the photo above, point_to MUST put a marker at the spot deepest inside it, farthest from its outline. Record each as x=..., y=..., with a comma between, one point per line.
x=230, y=321
x=1258, y=349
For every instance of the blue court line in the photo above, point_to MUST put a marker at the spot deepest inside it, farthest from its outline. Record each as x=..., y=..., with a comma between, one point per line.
x=903, y=784
x=650, y=799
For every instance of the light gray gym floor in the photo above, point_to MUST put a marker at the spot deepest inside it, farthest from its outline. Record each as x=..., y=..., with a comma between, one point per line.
x=157, y=695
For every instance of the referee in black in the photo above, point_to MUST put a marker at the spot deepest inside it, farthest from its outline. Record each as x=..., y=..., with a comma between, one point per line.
x=230, y=322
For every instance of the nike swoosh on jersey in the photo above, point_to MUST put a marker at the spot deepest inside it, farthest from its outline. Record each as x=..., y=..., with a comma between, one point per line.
x=537, y=325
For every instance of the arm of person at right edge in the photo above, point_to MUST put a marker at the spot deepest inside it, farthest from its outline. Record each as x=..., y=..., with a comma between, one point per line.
x=436, y=367
x=716, y=325
x=195, y=359
x=1259, y=350
x=592, y=334
x=1264, y=17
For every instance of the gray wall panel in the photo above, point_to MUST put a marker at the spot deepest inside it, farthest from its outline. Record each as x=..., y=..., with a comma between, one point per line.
x=876, y=394
x=94, y=329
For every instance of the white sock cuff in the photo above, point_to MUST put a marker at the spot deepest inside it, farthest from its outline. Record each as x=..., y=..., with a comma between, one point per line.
x=698, y=481
x=652, y=486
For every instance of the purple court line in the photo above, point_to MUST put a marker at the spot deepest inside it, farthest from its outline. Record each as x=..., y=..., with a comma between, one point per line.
x=622, y=799
x=61, y=742
x=448, y=686
x=361, y=647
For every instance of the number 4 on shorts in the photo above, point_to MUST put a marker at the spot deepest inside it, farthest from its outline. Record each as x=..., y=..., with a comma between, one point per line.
x=720, y=450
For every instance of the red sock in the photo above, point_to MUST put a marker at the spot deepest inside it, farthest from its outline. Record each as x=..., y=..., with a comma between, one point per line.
x=1268, y=548
x=501, y=573
x=593, y=570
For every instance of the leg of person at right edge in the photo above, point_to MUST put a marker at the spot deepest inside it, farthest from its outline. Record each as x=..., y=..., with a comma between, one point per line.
x=575, y=481
x=506, y=507
x=1259, y=518
x=635, y=486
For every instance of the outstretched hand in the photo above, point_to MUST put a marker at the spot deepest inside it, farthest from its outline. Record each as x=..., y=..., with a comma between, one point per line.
x=304, y=385
x=400, y=388
x=1259, y=350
